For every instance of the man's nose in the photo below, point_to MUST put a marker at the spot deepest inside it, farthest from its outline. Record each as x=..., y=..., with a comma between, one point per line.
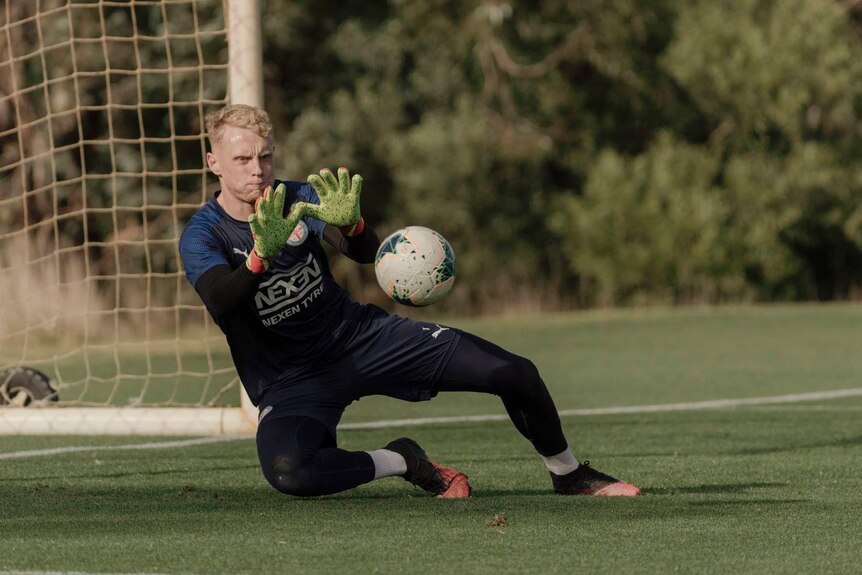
x=256, y=168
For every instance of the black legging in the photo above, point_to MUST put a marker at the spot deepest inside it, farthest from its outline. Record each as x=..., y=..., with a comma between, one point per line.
x=479, y=365
x=298, y=455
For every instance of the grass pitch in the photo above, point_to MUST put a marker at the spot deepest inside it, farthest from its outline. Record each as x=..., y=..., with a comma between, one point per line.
x=769, y=488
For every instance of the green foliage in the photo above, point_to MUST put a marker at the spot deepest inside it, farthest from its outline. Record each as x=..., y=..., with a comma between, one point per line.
x=795, y=217
x=433, y=106
x=783, y=71
x=604, y=152
x=780, y=89
x=600, y=153
x=650, y=228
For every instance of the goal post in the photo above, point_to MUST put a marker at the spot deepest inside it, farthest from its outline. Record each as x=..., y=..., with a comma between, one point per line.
x=102, y=161
x=246, y=79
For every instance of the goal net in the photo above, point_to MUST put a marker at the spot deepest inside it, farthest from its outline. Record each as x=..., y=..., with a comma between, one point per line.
x=102, y=145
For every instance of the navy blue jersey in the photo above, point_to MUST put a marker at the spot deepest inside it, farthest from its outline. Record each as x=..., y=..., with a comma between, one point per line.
x=299, y=313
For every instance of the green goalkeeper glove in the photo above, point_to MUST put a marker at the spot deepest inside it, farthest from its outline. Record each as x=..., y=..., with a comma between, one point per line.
x=269, y=229
x=339, y=200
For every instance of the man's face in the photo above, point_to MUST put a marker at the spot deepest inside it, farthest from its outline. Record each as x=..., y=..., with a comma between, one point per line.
x=242, y=160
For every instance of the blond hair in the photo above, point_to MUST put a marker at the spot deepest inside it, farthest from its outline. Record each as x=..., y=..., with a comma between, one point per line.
x=240, y=116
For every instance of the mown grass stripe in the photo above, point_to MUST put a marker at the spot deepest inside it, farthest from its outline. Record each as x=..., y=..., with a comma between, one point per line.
x=413, y=422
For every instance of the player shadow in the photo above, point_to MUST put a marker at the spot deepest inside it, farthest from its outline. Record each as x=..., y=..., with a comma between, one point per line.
x=706, y=489
x=843, y=442
x=520, y=492
x=715, y=488
x=745, y=502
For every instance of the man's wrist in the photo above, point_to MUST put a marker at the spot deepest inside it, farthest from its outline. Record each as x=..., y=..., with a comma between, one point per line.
x=255, y=263
x=353, y=229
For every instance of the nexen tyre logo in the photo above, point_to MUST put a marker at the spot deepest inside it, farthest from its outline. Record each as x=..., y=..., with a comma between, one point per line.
x=288, y=293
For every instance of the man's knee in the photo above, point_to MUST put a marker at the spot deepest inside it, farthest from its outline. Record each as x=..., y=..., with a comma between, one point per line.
x=518, y=376
x=290, y=476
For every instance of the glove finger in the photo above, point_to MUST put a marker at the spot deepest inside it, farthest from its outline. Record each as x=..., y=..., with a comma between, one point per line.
x=329, y=178
x=253, y=224
x=343, y=180
x=266, y=199
x=318, y=185
x=260, y=209
x=312, y=210
x=297, y=211
x=278, y=201
x=356, y=185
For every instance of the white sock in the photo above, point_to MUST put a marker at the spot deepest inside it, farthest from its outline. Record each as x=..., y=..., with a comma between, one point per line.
x=387, y=463
x=561, y=463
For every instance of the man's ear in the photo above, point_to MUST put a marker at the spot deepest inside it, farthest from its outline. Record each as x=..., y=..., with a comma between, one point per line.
x=212, y=163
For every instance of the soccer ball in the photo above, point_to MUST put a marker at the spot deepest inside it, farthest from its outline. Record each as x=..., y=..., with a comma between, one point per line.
x=24, y=386
x=415, y=266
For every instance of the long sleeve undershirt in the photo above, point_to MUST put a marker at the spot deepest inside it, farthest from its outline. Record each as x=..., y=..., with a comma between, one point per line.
x=223, y=289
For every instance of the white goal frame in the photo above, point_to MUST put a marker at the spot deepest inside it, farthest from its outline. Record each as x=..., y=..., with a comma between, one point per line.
x=245, y=84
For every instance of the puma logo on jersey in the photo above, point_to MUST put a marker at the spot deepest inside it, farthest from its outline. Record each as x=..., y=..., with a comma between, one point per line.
x=440, y=329
x=263, y=413
x=240, y=252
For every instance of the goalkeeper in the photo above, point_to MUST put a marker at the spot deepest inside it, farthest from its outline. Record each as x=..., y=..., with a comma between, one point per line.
x=304, y=351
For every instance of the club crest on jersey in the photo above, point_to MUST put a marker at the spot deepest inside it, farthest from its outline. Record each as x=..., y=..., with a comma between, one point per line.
x=298, y=235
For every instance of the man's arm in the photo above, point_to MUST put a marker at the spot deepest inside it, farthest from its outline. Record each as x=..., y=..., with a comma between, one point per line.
x=223, y=290
x=361, y=248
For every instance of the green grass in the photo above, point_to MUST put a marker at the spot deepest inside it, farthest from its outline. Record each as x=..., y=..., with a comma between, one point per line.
x=150, y=374
x=766, y=489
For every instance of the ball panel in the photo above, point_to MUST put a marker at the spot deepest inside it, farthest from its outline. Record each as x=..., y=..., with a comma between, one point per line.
x=415, y=266
x=438, y=292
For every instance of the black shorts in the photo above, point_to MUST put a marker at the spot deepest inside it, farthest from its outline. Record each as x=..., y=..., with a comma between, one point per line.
x=383, y=355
